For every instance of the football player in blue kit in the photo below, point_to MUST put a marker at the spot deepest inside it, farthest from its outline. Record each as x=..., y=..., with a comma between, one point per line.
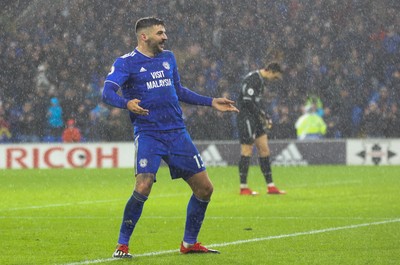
x=151, y=90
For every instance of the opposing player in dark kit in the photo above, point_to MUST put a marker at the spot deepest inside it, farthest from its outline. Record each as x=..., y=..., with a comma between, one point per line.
x=253, y=125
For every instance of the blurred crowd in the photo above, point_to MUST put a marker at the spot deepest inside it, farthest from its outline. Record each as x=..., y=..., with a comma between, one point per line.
x=343, y=56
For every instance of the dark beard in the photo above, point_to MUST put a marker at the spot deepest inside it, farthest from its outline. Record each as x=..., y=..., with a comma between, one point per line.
x=156, y=49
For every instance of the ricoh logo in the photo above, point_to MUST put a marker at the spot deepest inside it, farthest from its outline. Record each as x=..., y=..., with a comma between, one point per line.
x=59, y=156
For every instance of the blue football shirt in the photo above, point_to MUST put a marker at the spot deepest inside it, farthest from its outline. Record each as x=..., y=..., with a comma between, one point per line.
x=155, y=82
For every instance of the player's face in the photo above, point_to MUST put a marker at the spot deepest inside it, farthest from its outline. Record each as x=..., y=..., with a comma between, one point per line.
x=156, y=38
x=269, y=75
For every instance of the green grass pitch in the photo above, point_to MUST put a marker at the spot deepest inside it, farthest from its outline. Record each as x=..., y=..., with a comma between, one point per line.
x=330, y=215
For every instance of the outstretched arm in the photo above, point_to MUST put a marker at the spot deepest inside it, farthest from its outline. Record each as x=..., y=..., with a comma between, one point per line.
x=188, y=96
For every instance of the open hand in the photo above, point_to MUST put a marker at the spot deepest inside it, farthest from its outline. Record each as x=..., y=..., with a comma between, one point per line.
x=133, y=105
x=223, y=104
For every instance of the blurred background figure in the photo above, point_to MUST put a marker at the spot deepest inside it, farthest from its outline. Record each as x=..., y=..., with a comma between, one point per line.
x=341, y=51
x=372, y=123
x=42, y=81
x=71, y=134
x=5, y=134
x=99, y=126
x=310, y=125
x=121, y=129
x=55, y=121
x=27, y=124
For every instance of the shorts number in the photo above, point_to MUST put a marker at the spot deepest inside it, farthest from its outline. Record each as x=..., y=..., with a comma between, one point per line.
x=199, y=161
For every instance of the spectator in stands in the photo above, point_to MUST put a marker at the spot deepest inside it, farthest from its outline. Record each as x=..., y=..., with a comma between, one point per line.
x=392, y=122
x=283, y=128
x=315, y=102
x=54, y=120
x=40, y=101
x=198, y=124
x=71, y=134
x=317, y=42
x=27, y=126
x=310, y=125
x=81, y=120
x=5, y=132
x=343, y=108
x=391, y=44
x=98, y=129
x=42, y=82
x=372, y=124
x=121, y=128
x=331, y=121
x=213, y=77
x=386, y=110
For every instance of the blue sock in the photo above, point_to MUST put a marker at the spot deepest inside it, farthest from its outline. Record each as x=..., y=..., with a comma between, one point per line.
x=132, y=213
x=194, y=219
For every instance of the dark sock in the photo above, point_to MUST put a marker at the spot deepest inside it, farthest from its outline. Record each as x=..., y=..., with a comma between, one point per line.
x=265, y=166
x=194, y=219
x=244, y=164
x=132, y=213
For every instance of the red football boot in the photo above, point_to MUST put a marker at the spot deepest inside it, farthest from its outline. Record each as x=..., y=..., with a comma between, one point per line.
x=247, y=191
x=275, y=191
x=197, y=248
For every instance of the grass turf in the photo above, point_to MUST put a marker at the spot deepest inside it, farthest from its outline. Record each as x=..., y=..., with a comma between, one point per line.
x=330, y=215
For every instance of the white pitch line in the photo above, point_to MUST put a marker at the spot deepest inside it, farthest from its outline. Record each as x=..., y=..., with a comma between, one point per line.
x=208, y=217
x=312, y=232
x=80, y=203
x=58, y=205
x=324, y=184
x=153, y=197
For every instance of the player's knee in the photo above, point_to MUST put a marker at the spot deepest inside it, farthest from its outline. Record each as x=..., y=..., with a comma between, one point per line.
x=263, y=153
x=246, y=150
x=209, y=190
x=206, y=192
x=144, y=183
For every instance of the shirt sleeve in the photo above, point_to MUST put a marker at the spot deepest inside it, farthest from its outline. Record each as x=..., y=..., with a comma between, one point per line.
x=186, y=95
x=111, y=97
x=115, y=79
x=118, y=73
x=190, y=97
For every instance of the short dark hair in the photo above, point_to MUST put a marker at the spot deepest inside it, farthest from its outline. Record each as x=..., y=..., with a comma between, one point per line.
x=274, y=67
x=146, y=22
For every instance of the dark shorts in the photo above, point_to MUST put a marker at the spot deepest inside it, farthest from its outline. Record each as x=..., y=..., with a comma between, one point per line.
x=175, y=147
x=250, y=127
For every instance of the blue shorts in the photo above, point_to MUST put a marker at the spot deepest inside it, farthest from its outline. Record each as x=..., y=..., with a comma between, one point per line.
x=175, y=147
